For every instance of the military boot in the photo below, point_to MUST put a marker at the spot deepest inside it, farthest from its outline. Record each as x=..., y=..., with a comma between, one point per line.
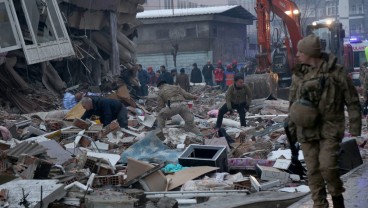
x=338, y=201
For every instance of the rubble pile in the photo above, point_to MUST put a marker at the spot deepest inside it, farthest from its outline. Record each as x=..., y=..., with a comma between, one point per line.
x=29, y=83
x=59, y=160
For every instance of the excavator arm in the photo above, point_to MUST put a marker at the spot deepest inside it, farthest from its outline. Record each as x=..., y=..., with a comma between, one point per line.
x=289, y=13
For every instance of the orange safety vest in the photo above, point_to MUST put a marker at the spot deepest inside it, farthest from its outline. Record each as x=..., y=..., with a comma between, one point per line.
x=229, y=77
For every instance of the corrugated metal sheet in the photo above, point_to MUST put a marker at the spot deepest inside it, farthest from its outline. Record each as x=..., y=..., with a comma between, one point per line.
x=26, y=148
x=234, y=10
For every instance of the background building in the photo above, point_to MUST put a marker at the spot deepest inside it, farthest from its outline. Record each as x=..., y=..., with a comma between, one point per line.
x=195, y=35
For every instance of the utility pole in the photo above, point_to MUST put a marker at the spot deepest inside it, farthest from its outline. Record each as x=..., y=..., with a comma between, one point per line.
x=172, y=6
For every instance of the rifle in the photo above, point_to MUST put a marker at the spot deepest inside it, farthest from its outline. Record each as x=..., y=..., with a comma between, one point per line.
x=296, y=166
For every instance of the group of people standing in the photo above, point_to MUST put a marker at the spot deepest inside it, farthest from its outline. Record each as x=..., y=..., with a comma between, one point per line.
x=224, y=77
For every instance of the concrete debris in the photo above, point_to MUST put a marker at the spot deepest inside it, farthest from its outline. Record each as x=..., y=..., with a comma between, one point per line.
x=84, y=163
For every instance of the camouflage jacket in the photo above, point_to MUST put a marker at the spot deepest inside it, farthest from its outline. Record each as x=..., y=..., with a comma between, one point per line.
x=173, y=93
x=238, y=96
x=334, y=91
x=363, y=76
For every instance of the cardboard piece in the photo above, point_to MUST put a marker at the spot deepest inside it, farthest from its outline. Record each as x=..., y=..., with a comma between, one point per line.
x=76, y=112
x=179, y=178
x=271, y=173
x=154, y=182
x=123, y=94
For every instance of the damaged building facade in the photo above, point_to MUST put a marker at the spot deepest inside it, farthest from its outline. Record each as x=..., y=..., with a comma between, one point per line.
x=193, y=36
x=58, y=44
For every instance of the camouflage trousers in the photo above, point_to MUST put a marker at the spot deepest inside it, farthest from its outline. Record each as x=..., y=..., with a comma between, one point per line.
x=321, y=158
x=182, y=109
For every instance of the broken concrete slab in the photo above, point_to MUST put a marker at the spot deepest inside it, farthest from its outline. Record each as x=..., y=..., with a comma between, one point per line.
x=264, y=199
x=301, y=188
x=109, y=198
x=271, y=173
x=148, y=121
x=56, y=151
x=284, y=154
x=112, y=158
x=29, y=191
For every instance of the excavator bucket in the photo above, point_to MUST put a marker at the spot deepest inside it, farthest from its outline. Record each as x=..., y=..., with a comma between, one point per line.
x=263, y=85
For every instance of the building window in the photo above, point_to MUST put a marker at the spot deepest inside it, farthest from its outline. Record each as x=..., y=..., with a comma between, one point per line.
x=39, y=28
x=320, y=12
x=162, y=34
x=356, y=28
x=182, y=4
x=356, y=9
x=191, y=32
x=192, y=5
x=233, y=2
x=330, y=8
x=9, y=40
x=168, y=4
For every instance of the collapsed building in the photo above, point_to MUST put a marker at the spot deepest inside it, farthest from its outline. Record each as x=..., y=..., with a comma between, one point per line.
x=57, y=44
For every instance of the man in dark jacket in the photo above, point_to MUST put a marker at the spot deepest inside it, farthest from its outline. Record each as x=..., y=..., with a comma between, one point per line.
x=107, y=109
x=207, y=72
x=165, y=76
x=239, y=97
x=196, y=75
x=144, y=79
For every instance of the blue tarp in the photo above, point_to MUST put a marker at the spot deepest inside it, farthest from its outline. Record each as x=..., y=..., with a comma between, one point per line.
x=151, y=149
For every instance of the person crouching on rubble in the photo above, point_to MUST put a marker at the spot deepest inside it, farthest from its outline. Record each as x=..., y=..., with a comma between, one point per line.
x=239, y=97
x=107, y=109
x=171, y=101
x=319, y=90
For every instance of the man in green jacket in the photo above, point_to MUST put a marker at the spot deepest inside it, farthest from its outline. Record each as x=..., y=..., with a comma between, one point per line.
x=319, y=92
x=238, y=97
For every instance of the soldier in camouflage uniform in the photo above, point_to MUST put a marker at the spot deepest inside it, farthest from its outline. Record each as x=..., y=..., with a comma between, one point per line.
x=171, y=101
x=320, y=85
x=363, y=76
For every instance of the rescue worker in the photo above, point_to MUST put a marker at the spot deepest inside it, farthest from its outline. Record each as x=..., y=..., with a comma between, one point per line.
x=229, y=75
x=219, y=75
x=363, y=76
x=234, y=66
x=239, y=97
x=107, y=109
x=171, y=101
x=320, y=88
x=183, y=80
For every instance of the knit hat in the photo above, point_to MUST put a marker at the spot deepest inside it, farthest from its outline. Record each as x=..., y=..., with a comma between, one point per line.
x=310, y=46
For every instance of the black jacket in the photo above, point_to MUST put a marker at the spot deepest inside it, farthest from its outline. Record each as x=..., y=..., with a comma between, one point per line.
x=207, y=71
x=196, y=75
x=166, y=76
x=106, y=109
